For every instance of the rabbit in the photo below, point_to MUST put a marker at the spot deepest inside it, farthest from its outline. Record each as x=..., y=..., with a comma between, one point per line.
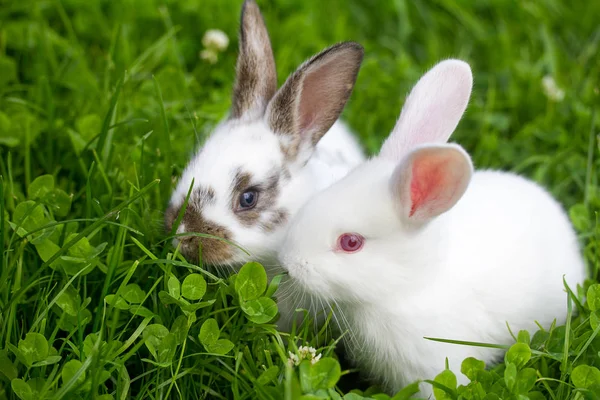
x=274, y=150
x=415, y=244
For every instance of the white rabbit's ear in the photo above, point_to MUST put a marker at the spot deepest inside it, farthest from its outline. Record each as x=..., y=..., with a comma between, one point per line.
x=430, y=180
x=432, y=110
x=313, y=97
x=255, y=76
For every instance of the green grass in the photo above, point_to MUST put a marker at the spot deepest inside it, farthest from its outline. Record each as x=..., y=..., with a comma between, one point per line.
x=100, y=102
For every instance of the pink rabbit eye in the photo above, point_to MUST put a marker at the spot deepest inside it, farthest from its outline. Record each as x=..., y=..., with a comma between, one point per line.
x=351, y=242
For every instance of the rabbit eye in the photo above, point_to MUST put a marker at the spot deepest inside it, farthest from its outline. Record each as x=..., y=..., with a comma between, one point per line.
x=351, y=242
x=248, y=199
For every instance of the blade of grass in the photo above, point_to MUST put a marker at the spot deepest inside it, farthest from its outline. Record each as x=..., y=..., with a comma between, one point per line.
x=590, y=161
x=2, y=234
x=165, y=146
x=565, y=366
x=141, y=61
x=102, y=144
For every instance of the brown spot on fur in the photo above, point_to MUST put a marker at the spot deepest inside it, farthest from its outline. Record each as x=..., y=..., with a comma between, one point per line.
x=203, y=196
x=199, y=197
x=214, y=251
x=264, y=213
x=289, y=152
x=313, y=97
x=256, y=76
x=282, y=118
x=286, y=175
x=241, y=182
x=279, y=217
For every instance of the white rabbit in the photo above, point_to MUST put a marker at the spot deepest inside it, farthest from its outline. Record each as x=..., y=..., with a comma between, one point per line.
x=271, y=154
x=414, y=244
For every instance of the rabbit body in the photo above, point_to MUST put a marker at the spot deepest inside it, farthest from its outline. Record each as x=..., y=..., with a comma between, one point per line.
x=497, y=257
x=414, y=244
x=336, y=154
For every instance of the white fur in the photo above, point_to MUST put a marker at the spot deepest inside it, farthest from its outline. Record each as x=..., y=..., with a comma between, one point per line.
x=498, y=255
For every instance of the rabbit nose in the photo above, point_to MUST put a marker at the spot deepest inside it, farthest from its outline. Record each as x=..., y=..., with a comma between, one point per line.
x=214, y=250
x=186, y=240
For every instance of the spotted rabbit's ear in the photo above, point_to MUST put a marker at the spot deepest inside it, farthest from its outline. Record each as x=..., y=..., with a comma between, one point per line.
x=313, y=97
x=432, y=110
x=430, y=180
x=255, y=77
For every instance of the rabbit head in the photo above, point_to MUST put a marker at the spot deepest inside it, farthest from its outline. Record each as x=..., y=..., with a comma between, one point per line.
x=368, y=234
x=245, y=182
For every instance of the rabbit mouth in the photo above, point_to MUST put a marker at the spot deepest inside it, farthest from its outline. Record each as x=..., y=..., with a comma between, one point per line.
x=212, y=250
x=299, y=272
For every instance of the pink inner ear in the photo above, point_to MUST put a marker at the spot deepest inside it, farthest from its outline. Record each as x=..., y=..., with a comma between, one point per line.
x=427, y=184
x=325, y=90
x=430, y=181
x=315, y=92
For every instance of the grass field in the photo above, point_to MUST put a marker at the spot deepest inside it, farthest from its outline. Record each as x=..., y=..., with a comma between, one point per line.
x=100, y=103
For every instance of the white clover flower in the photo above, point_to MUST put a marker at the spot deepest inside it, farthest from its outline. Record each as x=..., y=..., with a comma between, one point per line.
x=293, y=360
x=215, y=39
x=304, y=353
x=209, y=55
x=551, y=89
x=316, y=359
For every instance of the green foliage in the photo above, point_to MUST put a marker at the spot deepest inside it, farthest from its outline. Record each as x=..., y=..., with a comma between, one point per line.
x=100, y=104
x=518, y=354
x=209, y=337
x=321, y=375
x=250, y=285
x=446, y=385
x=194, y=287
x=584, y=376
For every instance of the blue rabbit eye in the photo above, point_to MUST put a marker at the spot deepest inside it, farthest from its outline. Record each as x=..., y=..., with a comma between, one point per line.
x=248, y=199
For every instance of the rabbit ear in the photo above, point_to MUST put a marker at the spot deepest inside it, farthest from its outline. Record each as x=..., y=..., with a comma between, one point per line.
x=255, y=77
x=430, y=180
x=313, y=98
x=432, y=110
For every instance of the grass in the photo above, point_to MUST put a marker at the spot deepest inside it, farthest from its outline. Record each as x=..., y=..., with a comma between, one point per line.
x=100, y=102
